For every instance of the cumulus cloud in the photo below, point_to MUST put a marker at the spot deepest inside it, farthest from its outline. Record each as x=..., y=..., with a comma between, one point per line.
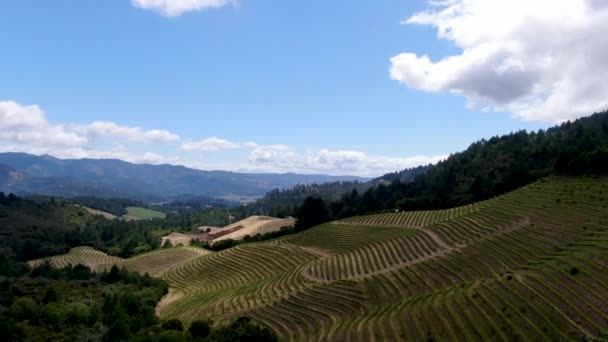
x=13, y=115
x=212, y=144
x=28, y=125
x=175, y=8
x=137, y=134
x=25, y=128
x=542, y=60
x=281, y=158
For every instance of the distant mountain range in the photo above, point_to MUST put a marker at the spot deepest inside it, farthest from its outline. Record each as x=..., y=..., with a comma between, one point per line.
x=27, y=174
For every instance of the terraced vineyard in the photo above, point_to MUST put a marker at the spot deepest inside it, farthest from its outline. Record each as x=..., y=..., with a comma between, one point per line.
x=157, y=262
x=96, y=260
x=414, y=219
x=529, y=265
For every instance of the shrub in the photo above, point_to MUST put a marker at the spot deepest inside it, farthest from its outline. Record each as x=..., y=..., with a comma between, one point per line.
x=172, y=336
x=200, y=329
x=173, y=324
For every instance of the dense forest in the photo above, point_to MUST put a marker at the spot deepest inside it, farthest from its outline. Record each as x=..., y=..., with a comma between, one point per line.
x=76, y=304
x=286, y=202
x=486, y=169
x=32, y=228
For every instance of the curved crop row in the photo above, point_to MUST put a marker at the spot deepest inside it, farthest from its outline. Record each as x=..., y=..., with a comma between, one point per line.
x=157, y=262
x=414, y=219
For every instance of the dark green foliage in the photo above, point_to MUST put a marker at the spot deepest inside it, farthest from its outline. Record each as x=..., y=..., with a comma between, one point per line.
x=173, y=324
x=287, y=202
x=115, y=206
x=284, y=203
x=313, y=212
x=243, y=329
x=574, y=271
x=38, y=227
x=199, y=329
x=404, y=175
x=76, y=304
x=489, y=168
x=50, y=296
x=172, y=336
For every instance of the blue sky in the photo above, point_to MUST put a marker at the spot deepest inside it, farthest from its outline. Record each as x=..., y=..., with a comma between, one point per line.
x=259, y=85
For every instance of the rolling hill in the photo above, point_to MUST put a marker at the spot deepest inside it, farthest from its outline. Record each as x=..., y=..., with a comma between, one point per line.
x=530, y=264
x=27, y=174
x=527, y=265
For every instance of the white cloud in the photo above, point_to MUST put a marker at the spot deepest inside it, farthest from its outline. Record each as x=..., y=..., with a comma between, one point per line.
x=13, y=115
x=212, y=144
x=27, y=129
x=136, y=134
x=28, y=125
x=281, y=158
x=543, y=60
x=175, y=8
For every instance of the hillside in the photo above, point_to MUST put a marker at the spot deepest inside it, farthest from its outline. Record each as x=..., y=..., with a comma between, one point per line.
x=26, y=174
x=530, y=264
x=90, y=257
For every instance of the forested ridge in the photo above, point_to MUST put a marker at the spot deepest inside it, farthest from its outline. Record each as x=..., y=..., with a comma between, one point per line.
x=286, y=202
x=487, y=168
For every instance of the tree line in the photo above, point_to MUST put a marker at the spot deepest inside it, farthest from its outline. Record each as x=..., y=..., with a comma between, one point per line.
x=487, y=168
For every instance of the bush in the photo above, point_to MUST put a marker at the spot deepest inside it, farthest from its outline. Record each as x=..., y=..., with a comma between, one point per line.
x=172, y=336
x=24, y=308
x=173, y=324
x=200, y=329
x=54, y=315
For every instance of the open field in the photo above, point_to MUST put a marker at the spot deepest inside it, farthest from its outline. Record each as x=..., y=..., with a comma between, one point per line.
x=101, y=213
x=143, y=213
x=529, y=265
x=133, y=213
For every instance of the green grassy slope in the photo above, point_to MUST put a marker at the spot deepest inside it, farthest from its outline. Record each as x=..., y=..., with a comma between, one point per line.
x=143, y=213
x=527, y=265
